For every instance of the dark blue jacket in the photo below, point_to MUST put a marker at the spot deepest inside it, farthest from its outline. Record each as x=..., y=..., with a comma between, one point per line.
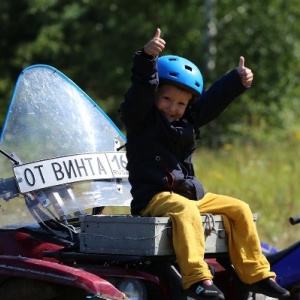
x=160, y=153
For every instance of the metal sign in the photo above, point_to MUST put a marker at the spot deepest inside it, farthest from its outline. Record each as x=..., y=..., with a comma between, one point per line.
x=68, y=169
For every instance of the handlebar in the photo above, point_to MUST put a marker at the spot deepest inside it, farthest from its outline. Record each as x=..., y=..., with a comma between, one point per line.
x=8, y=188
x=294, y=220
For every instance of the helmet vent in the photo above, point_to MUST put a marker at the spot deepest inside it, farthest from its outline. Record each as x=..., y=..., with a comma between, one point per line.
x=188, y=68
x=173, y=74
x=197, y=84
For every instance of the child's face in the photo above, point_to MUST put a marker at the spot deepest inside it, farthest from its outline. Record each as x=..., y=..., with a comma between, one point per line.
x=172, y=101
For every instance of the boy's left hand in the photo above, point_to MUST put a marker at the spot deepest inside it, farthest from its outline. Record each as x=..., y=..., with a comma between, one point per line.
x=246, y=75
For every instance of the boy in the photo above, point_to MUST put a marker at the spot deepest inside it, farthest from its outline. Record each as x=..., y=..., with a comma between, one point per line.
x=162, y=110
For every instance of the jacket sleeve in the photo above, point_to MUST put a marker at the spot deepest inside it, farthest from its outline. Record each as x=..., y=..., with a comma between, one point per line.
x=216, y=98
x=139, y=98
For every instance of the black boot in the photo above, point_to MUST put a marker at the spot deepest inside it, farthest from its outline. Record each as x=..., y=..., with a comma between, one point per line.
x=202, y=290
x=268, y=287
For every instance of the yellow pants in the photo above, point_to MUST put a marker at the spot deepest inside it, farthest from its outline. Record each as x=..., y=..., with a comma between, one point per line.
x=188, y=235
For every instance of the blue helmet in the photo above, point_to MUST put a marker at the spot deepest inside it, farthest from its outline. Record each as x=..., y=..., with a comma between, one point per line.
x=180, y=72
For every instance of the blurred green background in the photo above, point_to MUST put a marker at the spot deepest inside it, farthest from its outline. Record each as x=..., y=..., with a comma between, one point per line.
x=252, y=150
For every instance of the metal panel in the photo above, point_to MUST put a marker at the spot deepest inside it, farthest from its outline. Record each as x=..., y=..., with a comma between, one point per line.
x=146, y=236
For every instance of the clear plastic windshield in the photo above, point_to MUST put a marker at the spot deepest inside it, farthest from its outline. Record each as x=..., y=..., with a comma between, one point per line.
x=52, y=122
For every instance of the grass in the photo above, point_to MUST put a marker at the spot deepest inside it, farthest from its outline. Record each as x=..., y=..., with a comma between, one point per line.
x=266, y=177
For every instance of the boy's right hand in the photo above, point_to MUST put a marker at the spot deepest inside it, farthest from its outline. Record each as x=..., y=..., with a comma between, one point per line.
x=155, y=45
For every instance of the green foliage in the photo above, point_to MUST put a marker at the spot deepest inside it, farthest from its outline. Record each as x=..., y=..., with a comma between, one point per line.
x=92, y=42
x=265, y=34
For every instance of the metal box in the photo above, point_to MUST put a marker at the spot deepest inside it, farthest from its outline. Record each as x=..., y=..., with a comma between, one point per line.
x=145, y=236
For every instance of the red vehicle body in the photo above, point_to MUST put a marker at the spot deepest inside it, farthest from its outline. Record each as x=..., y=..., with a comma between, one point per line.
x=32, y=256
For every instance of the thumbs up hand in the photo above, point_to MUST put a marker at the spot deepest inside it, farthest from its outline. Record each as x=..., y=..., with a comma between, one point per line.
x=246, y=75
x=155, y=45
